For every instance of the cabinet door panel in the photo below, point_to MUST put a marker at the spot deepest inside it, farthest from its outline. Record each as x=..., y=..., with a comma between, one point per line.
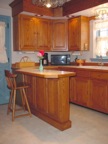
x=82, y=90
x=60, y=35
x=99, y=95
x=79, y=33
x=28, y=35
x=44, y=35
x=74, y=34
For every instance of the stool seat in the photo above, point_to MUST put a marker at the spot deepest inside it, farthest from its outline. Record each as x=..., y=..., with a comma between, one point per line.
x=14, y=86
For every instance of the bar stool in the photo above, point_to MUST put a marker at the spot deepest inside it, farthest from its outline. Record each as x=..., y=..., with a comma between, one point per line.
x=13, y=86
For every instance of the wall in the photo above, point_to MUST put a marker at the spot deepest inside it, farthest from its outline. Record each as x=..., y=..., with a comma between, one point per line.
x=16, y=56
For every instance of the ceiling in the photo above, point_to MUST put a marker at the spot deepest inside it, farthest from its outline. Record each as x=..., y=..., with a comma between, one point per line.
x=89, y=12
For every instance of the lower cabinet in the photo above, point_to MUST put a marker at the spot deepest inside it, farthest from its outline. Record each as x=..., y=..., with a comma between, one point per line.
x=90, y=89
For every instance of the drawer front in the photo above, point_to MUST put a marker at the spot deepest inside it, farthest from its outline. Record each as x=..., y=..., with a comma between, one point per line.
x=82, y=73
x=99, y=75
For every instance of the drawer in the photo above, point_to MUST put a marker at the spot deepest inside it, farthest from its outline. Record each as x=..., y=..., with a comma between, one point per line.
x=99, y=75
x=83, y=73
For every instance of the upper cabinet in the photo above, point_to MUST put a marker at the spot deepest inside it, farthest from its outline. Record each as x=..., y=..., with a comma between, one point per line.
x=31, y=34
x=34, y=34
x=60, y=35
x=79, y=33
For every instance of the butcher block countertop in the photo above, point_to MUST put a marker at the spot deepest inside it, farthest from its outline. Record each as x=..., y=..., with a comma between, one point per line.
x=91, y=67
x=45, y=73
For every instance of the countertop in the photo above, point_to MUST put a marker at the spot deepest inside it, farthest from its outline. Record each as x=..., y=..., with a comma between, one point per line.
x=45, y=73
x=102, y=68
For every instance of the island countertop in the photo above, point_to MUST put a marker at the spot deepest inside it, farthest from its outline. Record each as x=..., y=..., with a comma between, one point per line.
x=45, y=73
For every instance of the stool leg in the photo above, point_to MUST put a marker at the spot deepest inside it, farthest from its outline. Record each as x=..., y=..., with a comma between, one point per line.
x=10, y=102
x=13, y=108
x=26, y=101
x=22, y=98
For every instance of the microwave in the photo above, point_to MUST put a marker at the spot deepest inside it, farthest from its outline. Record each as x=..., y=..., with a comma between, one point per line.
x=60, y=59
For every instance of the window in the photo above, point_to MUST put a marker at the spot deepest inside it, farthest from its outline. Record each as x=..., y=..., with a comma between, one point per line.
x=101, y=38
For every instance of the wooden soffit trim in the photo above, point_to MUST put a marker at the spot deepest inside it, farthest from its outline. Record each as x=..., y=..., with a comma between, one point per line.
x=19, y=6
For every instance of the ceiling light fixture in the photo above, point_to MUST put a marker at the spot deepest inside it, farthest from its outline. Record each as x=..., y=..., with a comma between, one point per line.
x=102, y=13
x=50, y=3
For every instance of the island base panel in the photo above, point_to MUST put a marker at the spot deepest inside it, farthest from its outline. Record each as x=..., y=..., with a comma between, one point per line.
x=56, y=124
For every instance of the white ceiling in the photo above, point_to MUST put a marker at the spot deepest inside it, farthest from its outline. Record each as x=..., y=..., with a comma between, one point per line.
x=89, y=12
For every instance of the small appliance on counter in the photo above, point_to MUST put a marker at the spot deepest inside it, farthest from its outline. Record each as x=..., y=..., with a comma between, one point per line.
x=45, y=59
x=63, y=59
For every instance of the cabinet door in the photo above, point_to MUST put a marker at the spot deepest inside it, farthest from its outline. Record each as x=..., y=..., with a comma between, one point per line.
x=60, y=35
x=28, y=33
x=44, y=34
x=99, y=95
x=82, y=93
x=79, y=33
x=74, y=34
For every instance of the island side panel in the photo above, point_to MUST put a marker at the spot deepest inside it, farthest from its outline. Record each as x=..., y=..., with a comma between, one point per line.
x=31, y=91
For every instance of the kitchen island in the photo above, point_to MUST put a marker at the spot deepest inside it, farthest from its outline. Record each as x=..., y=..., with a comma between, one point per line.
x=48, y=95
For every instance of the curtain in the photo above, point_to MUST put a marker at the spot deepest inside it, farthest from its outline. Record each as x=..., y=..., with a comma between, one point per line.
x=101, y=24
x=102, y=46
x=101, y=41
x=3, y=55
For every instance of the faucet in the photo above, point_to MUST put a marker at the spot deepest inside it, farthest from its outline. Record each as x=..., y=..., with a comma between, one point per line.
x=100, y=63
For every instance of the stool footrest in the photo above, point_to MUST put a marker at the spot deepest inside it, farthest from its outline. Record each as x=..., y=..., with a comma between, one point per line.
x=17, y=116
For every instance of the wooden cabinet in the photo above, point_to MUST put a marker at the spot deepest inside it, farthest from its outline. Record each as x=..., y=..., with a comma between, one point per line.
x=89, y=88
x=31, y=33
x=79, y=33
x=60, y=35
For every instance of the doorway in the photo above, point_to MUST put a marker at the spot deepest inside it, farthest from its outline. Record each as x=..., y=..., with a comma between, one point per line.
x=4, y=92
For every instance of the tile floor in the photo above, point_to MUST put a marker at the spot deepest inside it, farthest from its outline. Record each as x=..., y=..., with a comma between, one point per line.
x=88, y=127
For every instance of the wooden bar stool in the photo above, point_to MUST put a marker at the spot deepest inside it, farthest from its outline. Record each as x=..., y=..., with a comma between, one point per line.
x=13, y=86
